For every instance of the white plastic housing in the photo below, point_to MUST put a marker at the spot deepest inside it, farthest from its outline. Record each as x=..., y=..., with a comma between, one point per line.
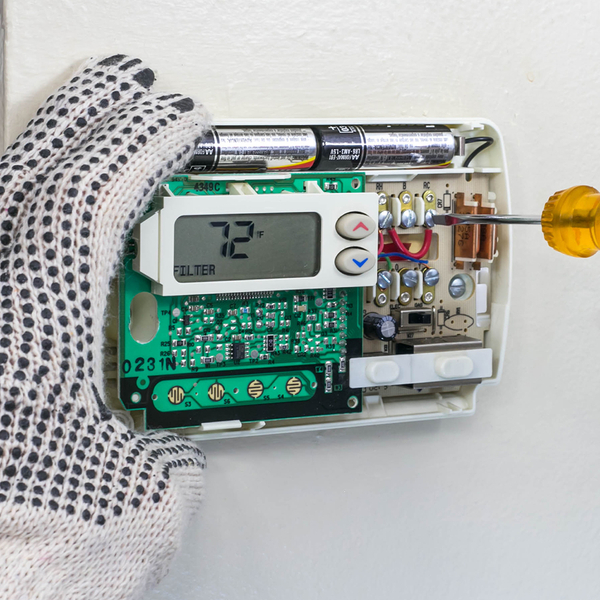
x=413, y=405
x=156, y=239
x=432, y=367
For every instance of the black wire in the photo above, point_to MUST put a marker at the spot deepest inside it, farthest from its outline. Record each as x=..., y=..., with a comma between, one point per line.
x=486, y=142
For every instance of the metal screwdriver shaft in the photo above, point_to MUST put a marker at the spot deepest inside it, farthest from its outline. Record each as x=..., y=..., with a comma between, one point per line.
x=455, y=219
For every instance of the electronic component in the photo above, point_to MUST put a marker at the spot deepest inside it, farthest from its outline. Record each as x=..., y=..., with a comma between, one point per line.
x=242, y=295
x=381, y=327
x=188, y=245
x=287, y=360
x=466, y=237
x=253, y=355
x=238, y=351
x=219, y=239
x=415, y=318
x=487, y=233
x=325, y=148
x=270, y=343
x=476, y=240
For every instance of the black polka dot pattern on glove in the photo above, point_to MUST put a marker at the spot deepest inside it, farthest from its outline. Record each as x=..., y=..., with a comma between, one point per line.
x=72, y=476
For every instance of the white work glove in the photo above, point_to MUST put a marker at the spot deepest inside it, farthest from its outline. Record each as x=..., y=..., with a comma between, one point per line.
x=89, y=510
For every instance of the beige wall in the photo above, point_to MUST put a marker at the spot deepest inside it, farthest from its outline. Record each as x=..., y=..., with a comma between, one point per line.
x=502, y=505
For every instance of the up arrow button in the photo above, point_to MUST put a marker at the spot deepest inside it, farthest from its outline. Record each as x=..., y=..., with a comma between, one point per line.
x=354, y=261
x=355, y=226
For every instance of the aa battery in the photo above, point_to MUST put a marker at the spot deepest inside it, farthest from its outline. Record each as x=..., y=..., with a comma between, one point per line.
x=236, y=149
x=325, y=148
x=353, y=147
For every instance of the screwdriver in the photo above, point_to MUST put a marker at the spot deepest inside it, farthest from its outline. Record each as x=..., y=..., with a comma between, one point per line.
x=570, y=221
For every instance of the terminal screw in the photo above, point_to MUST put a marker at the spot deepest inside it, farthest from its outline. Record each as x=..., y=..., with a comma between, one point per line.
x=431, y=277
x=410, y=279
x=457, y=287
x=429, y=196
x=428, y=220
x=381, y=299
x=384, y=279
x=408, y=218
x=386, y=219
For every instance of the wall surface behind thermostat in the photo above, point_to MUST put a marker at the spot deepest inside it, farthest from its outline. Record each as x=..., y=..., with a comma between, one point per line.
x=502, y=505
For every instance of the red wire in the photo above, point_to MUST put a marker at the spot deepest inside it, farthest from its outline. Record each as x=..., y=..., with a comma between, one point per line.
x=426, y=245
x=381, y=243
x=404, y=250
x=399, y=245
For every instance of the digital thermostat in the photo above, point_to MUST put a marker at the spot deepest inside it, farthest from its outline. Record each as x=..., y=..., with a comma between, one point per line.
x=243, y=242
x=288, y=280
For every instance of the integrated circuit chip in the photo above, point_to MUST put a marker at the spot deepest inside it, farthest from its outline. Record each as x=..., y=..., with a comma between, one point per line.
x=238, y=351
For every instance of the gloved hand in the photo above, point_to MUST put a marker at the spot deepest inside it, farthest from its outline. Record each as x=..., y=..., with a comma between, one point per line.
x=88, y=509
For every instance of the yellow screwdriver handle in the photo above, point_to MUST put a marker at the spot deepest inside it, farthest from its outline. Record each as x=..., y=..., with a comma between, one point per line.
x=571, y=221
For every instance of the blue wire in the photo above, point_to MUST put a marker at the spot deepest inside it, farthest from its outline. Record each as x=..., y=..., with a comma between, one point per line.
x=423, y=262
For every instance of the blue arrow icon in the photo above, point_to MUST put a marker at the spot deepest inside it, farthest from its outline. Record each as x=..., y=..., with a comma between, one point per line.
x=360, y=263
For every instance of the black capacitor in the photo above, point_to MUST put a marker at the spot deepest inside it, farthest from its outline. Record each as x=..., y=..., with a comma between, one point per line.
x=379, y=327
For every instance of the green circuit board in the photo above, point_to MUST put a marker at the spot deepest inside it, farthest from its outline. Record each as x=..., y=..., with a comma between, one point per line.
x=239, y=356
